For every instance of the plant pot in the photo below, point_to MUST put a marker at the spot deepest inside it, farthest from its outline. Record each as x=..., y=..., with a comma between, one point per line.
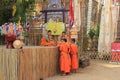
x=10, y=38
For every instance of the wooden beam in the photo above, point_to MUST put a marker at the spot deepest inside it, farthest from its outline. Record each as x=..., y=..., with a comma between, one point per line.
x=57, y=10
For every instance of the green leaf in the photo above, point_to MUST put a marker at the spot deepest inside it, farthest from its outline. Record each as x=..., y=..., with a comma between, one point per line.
x=91, y=34
x=44, y=0
x=98, y=30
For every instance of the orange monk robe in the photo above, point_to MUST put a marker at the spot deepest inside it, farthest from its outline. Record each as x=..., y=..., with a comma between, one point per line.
x=74, y=58
x=68, y=41
x=68, y=38
x=51, y=43
x=43, y=41
x=59, y=43
x=65, y=61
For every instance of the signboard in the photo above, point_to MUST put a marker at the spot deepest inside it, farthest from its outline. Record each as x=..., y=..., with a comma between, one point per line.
x=56, y=27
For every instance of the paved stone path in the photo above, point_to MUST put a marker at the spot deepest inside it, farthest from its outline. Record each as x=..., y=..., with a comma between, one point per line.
x=96, y=71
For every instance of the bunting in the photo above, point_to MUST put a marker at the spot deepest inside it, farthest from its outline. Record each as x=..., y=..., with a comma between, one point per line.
x=27, y=27
x=40, y=16
x=71, y=14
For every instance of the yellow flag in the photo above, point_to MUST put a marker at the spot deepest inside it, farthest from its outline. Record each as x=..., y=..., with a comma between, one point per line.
x=13, y=10
x=19, y=21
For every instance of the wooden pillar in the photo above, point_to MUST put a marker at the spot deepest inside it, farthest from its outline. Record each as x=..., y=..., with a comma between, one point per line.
x=105, y=28
x=89, y=15
x=63, y=16
x=45, y=17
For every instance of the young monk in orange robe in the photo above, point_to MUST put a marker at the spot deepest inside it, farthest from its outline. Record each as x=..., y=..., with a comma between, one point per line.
x=43, y=41
x=74, y=58
x=68, y=41
x=59, y=42
x=51, y=41
x=65, y=61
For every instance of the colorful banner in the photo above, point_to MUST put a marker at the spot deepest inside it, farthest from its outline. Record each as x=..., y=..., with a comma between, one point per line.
x=89, y=15
x=107, y=27
x=101, y=41
x=71, y=14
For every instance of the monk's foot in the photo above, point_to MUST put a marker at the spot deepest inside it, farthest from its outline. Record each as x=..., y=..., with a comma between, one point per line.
x=74, y=71
x=68, y=73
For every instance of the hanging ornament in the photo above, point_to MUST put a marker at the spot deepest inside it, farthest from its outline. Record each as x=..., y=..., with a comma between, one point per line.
x=19, y=21
x=13, y=10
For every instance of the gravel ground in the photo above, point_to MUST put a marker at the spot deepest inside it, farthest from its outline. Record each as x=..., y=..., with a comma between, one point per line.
x=96, y=71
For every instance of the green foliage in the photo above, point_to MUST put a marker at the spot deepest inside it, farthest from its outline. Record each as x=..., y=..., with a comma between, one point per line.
x=22, y=9
x=97, y=31
x=6, y=10
x=31, y=1
x=94, y=32
x=30, y=9
x=91, y=34
x=44, y=1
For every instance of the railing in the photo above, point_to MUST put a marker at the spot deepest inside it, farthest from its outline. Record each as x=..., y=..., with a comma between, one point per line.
x=108, y=57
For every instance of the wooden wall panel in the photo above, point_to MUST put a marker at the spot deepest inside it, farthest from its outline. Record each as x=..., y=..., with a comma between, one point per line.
x=1, y=72
x=8, y=64
x=30, y=63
